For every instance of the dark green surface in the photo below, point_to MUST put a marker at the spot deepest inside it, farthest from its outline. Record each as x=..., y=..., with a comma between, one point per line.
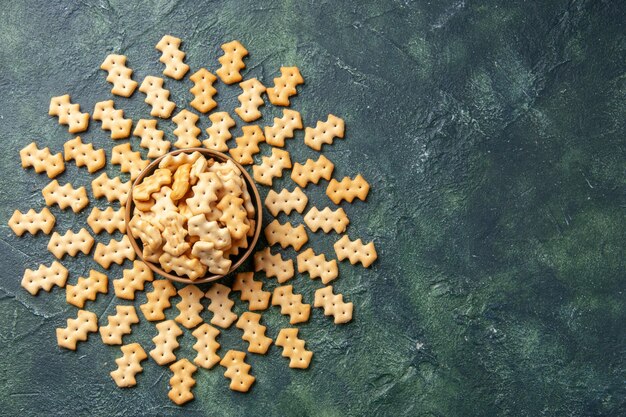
x=493, y=137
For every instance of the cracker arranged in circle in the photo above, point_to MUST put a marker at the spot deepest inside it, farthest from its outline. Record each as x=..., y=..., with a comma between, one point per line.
x=221, y=306
x=203, y=91
x=112, y=119
x=317, y=266
x=129, y=365
x=355, y=251
x=206, y=346
x=182, y=381
x=108, y=220
x=237, y=370
x=32, y=222
x=283, y=128
x=312, y=171
x=286, y=235
x=172, y=57
x=158, y=300
x=251, y=99
x=232, y=62
x=165, y=342
x=84, y=154
x=254, y=333
x=119, y=325
x=70, y=243
x=219, y=131
x=69, y=114
x=151, y=138
x=186, y=130
x=132, y=280
x=348, y=189
x=271, y=167
x=77, y=329
x=327, y=220
x=285, y=86
x=190, y=306
x=110, y=188
x=251, y=291
x=157, y=97
x=291, y=304
x=293, y=348
x=44, y=277
x=273, y=265
x=42, y=160
x=87, y=288
x=333, y=305
x=116, y=251
x=247, y=144
x=286, y=201
x=119, y=75
x=65, y=196
x=324, y=132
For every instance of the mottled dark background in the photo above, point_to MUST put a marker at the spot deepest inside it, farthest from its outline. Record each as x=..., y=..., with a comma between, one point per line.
x=493, y=136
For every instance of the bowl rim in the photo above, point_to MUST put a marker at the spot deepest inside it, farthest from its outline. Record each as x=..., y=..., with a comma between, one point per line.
x=251, y=188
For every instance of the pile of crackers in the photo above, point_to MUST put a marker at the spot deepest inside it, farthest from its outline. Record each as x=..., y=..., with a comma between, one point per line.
x=153, y=201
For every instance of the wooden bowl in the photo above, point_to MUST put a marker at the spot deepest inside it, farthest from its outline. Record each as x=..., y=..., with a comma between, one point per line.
x=238, y=259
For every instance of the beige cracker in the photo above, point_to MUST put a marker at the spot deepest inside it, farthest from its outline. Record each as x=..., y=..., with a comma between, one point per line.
x=110, y=188
x=209, y=231
x=112, y=119
x=237, y=370
x=324, y=132
x=108, y=219
x=203, y=91
x=165, y=342
x=42, y=160
x=293, y=348
x=219, y=131
x=233, y=216
x=190, y=306
x=147, y=231
x=247, y=144
x=44, y=278
x=115, y=251
x=84, y=154
x=327, y=220
x=172, y=162
x=151, y=138
x=128, y=160
x=174, y=233
x=283, y=128
x=348, y=189
x=251, y=291
x=77, y=329
x=152, y=184
x=182, y=265
x=182, y=181
x=129, y=365
x=119, y=75
x=70, y=243
x=232, y=62
x=355, y=251
x=204, y=193
x=286, y=201
x=273, y=265
x=158, y=300
x=87, y=288
x=250, y=99
x=186, y=130
x=254, y=333
x=333, y=305
x=65, y=196
x=285, y=86
x=206, y=346
x=172, y=57
x=132, y=280
x=286, y=235
x=119, y=325
x=312, y=171
x=32, y=222
x=181, y=382
x=69, y=114
x=271, y=166
x=221, y=306
x=212, y=257
x=157, y=97
x=291, y=304
x=317, y=266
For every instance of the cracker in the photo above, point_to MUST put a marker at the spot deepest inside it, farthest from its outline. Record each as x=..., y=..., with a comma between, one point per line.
x=221, y=306
x=312, y=171
x=206, y=346
x=247, y=144
x=317, y=266
x=291, y=304
x=87, y=288
x=69, y=114
x=128, y=160
x=42, y=160
x=283, y=128
x=271, y=166
x=233, y=215
x=172, y=57
x=182, y=265
x=157, y=97
x=250, y=99
x=197, y=168
x=251, y=291
x=44, y=278
x=151, y=255
x=285, y=86
x=286, y=235
x=152, y=184
x=293, y=348
x=209, y=231
x=324, y=132
x=115, y=251
x=203, y=91
x=355, y=251
x=181, y=382
x=186, y=130
x=204, y=193
x=163, y=203
x=327, y=220
x=129, y=365
x=165, y=342
x=236, y=246
x=77, y=329
x=232, y=62
x=108, y=219
x=70, y=243
x=174, y=233
x=151, y=138
x=119, y=325
x=132, y=280
x=172, y=162
x=237, y=371
x=84, y=154
x=119, y=75
x=254, y=333
x=286, y=201
x=189, y=306
x=182, y=181
x=333, y=305
x=32, y=222
x=249, y=206
x=348, y=189
x=110, y=188
x=65, y=196
x=146, y=231
x=273, y=265
x=112, y=119
x=158, y=300
x=219, y=131
x=212, y=257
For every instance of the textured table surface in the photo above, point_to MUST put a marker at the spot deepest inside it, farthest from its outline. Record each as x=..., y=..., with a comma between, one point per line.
x=493, y=136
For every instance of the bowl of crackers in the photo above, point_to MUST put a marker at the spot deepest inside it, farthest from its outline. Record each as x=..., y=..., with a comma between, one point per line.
x=193, y=215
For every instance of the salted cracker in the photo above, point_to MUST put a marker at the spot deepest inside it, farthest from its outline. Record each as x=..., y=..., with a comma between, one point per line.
x=206, y=346
x=197, y=168
x=44, y=277
x=77, y=329
x=65, y=196
x=87, y=288
x=312, y=171
x=158, y=300
x=152, y=184
x=273, y=265
x=128, y=365
x=115, y=251
x=247, y=144
x=128, y=160
x=283, y=128
x=163, y=204
x=151, y=138
x=172, y=57
x=285, y=86
x=147, y=231
x=190, y=306
x=174, y=233
x=291, y=304
x=324, y=132
x=355, y=251
x=70, y=243
x=317, y=266
x=108, y=220
x=286, y=235
x=251, y=99
x=84, y=154
x=172, y=162
x=110, y=188
x=333, y=305
x=271, y=166
x=254, y=333
x=204, y=193
x=165, y=342
x=286, y=201
x=219, y=131
x=112, y=119
x=232, y=62
x=133, y=280
x=203, y=91
x=293, y=348
x=182, y=381
x=119, y=325
x=237, y=370
x=233, y=216
x=212, y=257
x=42, y=160
x=209, y=231
x=69, y=114
x=32, y=222
x=221, y=306
x=251, y=291
x=182, y=265
x=327, y=220
x=119, y=75
x=186, y=130
x=157, y=97
x=348, y=189
x=182, y=181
